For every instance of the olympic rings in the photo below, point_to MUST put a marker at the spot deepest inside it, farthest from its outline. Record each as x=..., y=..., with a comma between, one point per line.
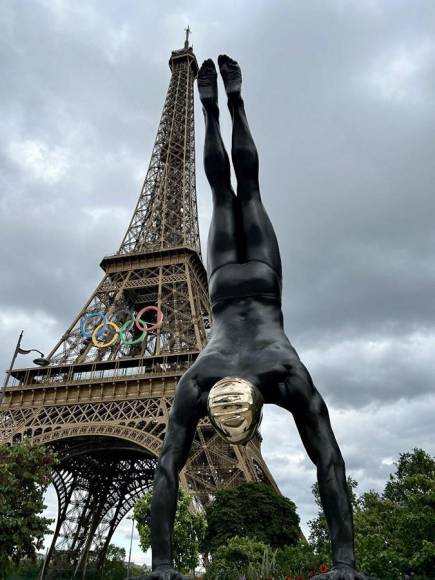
x=109, y=342
x=153, y=326
x=86, y=318
x=119, y=332
x=125, y=328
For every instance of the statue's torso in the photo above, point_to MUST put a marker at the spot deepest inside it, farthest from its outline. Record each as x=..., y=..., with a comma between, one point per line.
x=248, y=338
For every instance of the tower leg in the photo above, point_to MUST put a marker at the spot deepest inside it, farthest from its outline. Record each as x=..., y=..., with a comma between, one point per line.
x=96, y=488
x=64, y=484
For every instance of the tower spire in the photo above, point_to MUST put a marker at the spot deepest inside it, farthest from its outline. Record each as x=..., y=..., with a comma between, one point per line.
x=166, y=214
x=188, y=32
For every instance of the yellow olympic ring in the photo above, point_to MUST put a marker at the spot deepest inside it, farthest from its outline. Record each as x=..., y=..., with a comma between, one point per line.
x=111, y=341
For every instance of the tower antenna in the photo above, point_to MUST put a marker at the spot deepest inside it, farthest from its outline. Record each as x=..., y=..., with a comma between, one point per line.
x=188, y=32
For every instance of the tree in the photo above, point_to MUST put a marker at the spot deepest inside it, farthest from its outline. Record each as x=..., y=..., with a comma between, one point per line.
x=24, y=475
x=252, y=510
x=379, y=549
x=394, y=530
x=114, y=566
x=319, y=533
x=411, y=492
x=189, y=528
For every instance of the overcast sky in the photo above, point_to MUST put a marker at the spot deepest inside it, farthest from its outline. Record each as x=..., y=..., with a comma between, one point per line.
x=340, y=96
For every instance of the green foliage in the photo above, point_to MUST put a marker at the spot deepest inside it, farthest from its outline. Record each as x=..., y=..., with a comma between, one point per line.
x=401, y=521
x=232, y=559
x=24, y=570
x=24, y=474
x=136, y=570
x=114, y=566
x=115, y=553
x=299, y=560
x=189, y=529
x=319, y=534
x=251, y=510
x=254, y=560
x=395, y=530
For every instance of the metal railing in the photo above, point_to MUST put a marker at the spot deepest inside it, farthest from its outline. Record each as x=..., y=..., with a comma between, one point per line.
x=121, y=369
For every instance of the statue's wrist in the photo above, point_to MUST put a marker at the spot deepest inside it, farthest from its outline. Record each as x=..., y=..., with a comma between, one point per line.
x=161, y=565
x=344, y=564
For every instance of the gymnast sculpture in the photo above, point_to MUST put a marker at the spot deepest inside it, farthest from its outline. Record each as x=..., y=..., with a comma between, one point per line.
x=249, y=359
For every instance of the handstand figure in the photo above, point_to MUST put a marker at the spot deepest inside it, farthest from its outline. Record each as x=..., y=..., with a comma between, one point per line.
x=248, y=358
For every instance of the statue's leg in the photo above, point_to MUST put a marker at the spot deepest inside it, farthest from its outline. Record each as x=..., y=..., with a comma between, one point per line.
x=258, y=232
x=222, y=238
x=309, y=410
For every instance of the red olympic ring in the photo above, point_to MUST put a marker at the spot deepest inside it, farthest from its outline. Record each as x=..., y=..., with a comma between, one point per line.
x=153, y=326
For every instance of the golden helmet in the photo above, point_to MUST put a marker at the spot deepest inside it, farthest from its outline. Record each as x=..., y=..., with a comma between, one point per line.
x=235, y=409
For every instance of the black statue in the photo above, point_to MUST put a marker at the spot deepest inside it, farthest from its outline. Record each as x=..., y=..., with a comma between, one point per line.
x=248, y=358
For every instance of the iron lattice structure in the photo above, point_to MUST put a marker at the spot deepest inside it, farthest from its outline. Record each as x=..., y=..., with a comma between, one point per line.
x=105, y=410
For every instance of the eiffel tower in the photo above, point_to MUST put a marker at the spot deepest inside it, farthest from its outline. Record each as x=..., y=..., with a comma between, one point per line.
x=103, y=400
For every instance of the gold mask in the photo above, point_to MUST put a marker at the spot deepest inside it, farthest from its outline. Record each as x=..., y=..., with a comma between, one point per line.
x=235, y=409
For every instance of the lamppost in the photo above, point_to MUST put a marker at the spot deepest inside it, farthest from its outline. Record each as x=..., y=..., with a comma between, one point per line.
x=131, y=544
x=41, y=361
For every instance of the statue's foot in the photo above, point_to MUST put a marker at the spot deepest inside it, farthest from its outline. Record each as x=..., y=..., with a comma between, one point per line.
x=231, y=75
x=207, y=84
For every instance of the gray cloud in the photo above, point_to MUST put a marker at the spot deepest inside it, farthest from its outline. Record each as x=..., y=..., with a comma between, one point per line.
x=340, y=96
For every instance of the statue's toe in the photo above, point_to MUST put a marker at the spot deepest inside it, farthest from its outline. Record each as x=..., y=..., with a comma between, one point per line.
x=225, y=59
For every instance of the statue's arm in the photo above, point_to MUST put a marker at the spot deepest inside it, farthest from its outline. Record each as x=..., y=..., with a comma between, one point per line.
x=312, y=420
x=182, y=424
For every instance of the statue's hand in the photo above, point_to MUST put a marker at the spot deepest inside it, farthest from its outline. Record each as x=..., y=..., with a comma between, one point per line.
x=342, y=572
x=163, y=573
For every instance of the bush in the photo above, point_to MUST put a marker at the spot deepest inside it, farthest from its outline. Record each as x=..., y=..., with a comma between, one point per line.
x=250, y=559
x=236, y=558
x=253, y=510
